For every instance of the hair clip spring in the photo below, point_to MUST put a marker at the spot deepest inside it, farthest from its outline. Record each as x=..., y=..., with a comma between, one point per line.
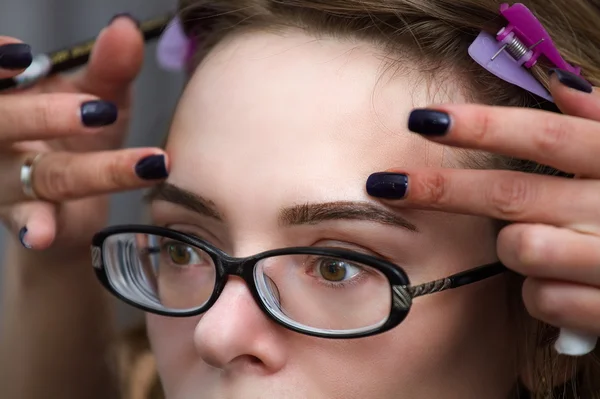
x=516, y=48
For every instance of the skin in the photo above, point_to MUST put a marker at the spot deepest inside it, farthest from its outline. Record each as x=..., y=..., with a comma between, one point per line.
x=271, y=121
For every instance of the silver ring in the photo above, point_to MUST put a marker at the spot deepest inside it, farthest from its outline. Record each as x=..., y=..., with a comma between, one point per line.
x=27, y=176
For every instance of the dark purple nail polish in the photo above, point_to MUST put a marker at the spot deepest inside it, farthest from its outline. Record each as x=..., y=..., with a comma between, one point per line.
x=15, y=56
x=387, y=185
x=153, y=167
x=22, y=234
x=572, y=81
x=98, y=113
x=126, y=15
x=429, y=122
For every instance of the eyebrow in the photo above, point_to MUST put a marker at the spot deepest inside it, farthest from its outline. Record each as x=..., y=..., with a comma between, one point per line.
x=342, y=210
x=186, y=199
x=303, y=214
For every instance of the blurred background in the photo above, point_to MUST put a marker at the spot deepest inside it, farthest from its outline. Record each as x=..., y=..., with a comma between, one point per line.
x=49, y=25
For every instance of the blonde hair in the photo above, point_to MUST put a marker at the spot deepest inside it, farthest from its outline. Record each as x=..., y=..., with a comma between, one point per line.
x=435, y=34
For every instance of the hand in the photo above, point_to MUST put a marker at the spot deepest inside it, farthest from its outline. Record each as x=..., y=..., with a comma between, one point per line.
x=555, y=238
x=77, y=122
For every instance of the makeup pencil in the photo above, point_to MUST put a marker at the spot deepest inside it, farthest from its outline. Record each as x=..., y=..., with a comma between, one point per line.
x=64, y=60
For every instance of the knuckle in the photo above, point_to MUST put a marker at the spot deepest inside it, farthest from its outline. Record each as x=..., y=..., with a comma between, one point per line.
x=552, y=136
x=483, y=126
x=109, y=174
x=434, y=189
x=43, y=114
x=55, y=182
x=51, y=114
x=10, y=118
x=509, y=197
x=113, y=172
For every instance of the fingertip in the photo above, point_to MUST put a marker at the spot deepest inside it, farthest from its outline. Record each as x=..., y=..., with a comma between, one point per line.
x=126, y=16
x=116, y=60
x=574, y=95
x=39, y=231
x=430, y=122
x=15, y=56
x=561, y=79
x=388, y=185
x=152, y=167
x=123, y=45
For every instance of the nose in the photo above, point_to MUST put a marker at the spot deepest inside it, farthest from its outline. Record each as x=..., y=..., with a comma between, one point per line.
x=235, y=333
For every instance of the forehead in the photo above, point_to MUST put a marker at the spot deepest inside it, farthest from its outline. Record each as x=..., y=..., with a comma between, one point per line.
x=302, y=118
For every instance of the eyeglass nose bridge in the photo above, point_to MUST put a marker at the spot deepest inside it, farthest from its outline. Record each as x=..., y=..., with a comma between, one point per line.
x=243, y=268
x=240, y=267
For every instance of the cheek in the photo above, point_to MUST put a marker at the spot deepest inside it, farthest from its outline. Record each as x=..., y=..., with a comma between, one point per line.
x=446, y=338
x=173, y=346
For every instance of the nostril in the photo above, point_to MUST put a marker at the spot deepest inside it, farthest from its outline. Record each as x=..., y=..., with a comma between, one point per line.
x=247, y=364
x=254, y=360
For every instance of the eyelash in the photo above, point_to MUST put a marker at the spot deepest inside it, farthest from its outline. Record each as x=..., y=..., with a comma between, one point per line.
x=344, y=284
x=189, y=233
x=353, y=247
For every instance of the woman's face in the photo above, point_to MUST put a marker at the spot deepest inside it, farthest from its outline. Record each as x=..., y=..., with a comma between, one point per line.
x=268, y=123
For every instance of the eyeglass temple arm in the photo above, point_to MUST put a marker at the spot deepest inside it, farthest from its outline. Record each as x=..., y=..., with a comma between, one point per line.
x=457, y=280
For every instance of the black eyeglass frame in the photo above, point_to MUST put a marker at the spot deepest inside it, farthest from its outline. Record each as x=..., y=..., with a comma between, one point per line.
x=402, y=292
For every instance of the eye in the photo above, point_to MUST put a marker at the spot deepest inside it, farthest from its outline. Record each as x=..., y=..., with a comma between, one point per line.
x=337, y=270
x=181, y=254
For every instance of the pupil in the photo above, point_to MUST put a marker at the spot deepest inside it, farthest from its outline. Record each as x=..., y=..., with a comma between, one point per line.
x=179, y=254
x=333, y=271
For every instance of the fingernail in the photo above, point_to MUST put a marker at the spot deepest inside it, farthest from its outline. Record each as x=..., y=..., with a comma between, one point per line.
x=98, y=113
x=153, y=167
x=387, y=185
x=22, y=234
x=429, y=122
x=572, y=81
x=15, y=56
x=126, y=15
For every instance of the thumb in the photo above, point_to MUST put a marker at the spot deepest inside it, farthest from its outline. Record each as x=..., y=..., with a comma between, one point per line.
x=115, y=62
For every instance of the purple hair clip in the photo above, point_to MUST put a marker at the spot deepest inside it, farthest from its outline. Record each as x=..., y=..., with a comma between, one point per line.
x=175, y=49
x=516, y=48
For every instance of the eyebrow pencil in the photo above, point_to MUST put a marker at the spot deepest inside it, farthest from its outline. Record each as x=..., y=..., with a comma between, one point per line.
x=44, y=65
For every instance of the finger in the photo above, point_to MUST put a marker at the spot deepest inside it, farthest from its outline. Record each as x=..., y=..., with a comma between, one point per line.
x=60, y=176
x=33, y=223
x=50, y=116
x=115, y=62
x=562, y=304
x=14, y=57
x=547, y=252
x=567, y=143
x=575, y=96
x=505, y=195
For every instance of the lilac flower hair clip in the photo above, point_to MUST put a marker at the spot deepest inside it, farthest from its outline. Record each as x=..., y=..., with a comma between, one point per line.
x=175, y=49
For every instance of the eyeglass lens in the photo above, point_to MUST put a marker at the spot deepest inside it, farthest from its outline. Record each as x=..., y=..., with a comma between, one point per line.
x=311, y=292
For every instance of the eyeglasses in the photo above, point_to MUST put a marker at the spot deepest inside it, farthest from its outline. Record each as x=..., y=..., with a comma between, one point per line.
x=323, y=292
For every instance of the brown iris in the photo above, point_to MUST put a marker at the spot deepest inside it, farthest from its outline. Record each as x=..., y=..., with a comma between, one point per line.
x=179, y=254
x=333, y=270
